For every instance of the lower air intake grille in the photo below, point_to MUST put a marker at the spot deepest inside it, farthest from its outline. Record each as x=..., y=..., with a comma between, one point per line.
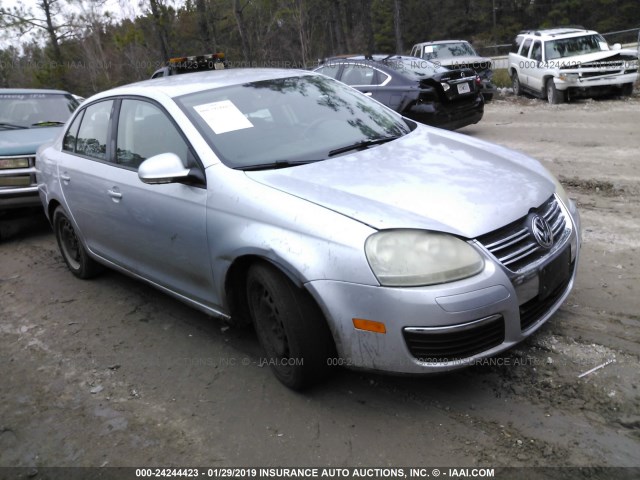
x=435, y=345
x=535, y=309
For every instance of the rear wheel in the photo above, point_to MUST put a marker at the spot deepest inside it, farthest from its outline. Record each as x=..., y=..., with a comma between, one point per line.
x=73, y=252
x=515, y=83
x=554, y=96
x=290, y=328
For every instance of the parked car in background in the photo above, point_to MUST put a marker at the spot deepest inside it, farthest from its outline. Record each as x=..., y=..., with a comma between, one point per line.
x=28, y=118
x=564, y=63
x=346, y=233
x=457, y=54
x=416, y=88
x=192, y=64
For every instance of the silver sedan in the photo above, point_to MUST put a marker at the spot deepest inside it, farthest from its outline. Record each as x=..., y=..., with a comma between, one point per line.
x=347, y=234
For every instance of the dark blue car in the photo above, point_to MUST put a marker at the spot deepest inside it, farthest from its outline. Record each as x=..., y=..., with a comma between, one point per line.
x=413, y=87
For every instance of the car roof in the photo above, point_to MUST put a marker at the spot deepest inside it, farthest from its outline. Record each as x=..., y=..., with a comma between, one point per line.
x=15, y=91
x=566, y=32
x=441, y=42
x=177, y=85
x=376, y=58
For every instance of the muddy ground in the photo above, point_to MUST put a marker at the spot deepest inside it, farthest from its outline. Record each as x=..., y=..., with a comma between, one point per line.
x=111, y=372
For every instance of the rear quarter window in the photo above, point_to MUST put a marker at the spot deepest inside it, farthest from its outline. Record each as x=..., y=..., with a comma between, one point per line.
x=515, y=46
x=69, y=141
x=93, y=132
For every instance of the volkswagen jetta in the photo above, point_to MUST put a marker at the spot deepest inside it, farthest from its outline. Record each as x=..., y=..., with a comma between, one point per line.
x=346, y=233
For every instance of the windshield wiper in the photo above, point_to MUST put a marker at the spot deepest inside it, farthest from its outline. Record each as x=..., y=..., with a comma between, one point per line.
x=47, y=123
x=276, y=164
x=12, y=125
x=362, y=145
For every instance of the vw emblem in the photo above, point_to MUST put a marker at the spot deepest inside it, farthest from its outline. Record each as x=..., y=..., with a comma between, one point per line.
x=541, y=231
x=462, y=75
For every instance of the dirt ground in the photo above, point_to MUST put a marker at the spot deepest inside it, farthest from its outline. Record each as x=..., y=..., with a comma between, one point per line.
x=111, y=372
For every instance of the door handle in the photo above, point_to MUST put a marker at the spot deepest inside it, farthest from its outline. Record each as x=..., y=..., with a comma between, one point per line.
x=368, y=94
x=65, y=178
x=114, y=194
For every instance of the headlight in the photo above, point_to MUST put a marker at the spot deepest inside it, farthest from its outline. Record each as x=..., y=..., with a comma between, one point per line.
x=410, y=258
x=569, y=77
x=14, y=162
x=561, y=192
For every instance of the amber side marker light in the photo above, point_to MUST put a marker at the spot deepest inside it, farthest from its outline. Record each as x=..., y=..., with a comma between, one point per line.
x=369, y=325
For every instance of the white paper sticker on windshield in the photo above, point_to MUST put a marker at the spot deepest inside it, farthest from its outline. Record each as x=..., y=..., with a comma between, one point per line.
x=428, y=49
x=223, y=117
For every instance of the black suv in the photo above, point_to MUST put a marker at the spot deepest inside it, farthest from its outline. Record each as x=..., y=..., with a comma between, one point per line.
x=416, y=88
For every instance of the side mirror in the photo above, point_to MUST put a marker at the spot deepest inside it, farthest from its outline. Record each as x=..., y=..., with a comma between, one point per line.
x=162, y=168
x=616, y=46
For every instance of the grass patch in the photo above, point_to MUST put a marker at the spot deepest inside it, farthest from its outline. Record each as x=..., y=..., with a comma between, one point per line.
x=501, y=78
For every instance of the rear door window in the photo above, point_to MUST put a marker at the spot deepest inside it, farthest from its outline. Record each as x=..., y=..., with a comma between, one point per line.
x=357, y=74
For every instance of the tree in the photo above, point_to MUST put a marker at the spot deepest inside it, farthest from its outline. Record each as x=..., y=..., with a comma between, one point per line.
x=397, y=25
x=158, y=11
x=49, y=19
x=242, y=30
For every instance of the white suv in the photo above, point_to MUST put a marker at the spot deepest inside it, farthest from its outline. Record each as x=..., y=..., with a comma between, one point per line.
x=565, y=63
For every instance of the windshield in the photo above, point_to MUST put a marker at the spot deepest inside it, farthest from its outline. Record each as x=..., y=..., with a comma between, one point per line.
x=569, y=47
x=287, y=120
x=448, y=50
x=32, y=109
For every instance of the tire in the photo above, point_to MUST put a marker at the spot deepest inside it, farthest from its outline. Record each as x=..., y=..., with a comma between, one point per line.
x=290, y=328
x=554, y=96
x=626, y=90
x=71, y=248
x=515, y=84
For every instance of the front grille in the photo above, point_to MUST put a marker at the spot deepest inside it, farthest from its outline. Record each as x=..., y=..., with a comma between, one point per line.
x=440, y=345
x=600, y=73
x=515, y=247
x=616, y=64
x=536, y=308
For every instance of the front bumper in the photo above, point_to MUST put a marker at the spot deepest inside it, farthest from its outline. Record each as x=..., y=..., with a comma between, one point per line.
x=22, y=198
x=443, y=327
x=595, y=82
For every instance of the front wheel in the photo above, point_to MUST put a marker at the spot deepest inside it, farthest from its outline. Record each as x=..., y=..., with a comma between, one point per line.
x=73, y=252
x=626, y=90
x=554, y=96
x=290, y=328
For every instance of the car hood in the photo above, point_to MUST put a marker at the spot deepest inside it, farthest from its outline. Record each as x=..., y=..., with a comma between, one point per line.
x=26, y=141
x=576, y=60
x=428, y=179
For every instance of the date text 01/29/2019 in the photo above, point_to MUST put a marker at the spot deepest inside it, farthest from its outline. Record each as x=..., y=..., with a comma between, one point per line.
x=314, y=472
